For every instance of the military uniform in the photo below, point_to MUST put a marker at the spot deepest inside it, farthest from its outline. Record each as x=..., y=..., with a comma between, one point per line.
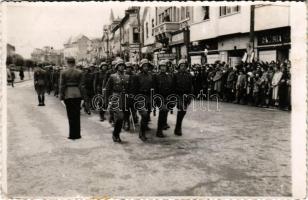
x=88, y=79
x=117, y=87
x=183, y=82
x=145, y=83
x=100, y=84
x=71, y=89
x=56, y=81
x=164, y=86
x=40, y=83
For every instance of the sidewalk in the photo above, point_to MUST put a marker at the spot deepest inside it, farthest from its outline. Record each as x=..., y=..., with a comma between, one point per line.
x=28, y=76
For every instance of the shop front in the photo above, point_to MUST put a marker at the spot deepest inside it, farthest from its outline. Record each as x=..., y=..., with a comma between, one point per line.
x=274, y=44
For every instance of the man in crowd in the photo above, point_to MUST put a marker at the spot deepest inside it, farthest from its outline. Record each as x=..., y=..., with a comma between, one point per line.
x=100, y=85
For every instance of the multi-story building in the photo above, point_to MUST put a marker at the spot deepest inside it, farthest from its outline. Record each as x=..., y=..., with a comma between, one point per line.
x=148, y=39
x=172, y=31
x=226, y=33
x=78, y=47
x=122, y=36
x=48, y=54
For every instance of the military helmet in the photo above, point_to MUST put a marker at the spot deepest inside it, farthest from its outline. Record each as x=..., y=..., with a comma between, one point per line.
x=103, y=64
x=129, y=64
x=143, y=62
x=182, y=61
x=113, y=62
x=119, y=62
x=163, y=63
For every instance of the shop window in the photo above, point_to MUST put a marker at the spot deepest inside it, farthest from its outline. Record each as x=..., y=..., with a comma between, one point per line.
x=228, y=10
x=206, y=12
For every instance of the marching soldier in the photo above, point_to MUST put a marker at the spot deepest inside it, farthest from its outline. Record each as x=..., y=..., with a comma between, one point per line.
x=111, y=71
x=100, y=84
x=88, y=78
x=131, y=91
x=40, y=83
x=56, y=81
x=164, y=86
x=145, y=83
x=71, y=89
x=183, y=87
x=117, y=87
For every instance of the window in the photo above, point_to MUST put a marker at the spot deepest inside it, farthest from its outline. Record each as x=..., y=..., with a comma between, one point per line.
x=187, y=12
x=147, y=30
x=227, y=10
x=182, y=13
x=152, y=27
x=135, y=35
x=206, y=10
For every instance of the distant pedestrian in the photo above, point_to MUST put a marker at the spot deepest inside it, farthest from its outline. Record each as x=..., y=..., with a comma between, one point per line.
x=10, y=76
x=21, y=73
x=40, y=81
x=71, y=87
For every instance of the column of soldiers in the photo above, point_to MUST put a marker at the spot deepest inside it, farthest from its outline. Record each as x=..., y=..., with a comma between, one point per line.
x=128, y=89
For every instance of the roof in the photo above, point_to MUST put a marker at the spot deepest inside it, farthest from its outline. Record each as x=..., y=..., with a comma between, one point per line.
x=75, y=39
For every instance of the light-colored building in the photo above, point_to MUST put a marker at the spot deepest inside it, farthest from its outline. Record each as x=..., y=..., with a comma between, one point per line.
x=148, y=24
x=48, y=54
x=78, y=47
x=225, y=33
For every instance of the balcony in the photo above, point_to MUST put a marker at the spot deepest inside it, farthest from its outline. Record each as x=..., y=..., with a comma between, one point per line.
x=166, y=27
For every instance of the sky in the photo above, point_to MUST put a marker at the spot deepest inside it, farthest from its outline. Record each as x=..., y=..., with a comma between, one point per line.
x=35, y=25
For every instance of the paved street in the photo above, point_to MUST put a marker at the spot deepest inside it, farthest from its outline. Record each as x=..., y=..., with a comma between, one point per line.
x=240, y=150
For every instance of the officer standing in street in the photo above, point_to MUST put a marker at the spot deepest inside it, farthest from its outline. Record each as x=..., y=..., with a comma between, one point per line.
x=164, y=86
x=117, y=87
x=145, y=83
x=40, y=83
x=183, y=82
x=71, y=89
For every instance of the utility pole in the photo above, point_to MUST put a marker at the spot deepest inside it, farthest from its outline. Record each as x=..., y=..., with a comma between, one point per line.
x=252, y=26
x=139, y=28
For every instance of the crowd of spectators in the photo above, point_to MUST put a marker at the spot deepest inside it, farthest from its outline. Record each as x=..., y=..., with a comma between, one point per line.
x=259, y=84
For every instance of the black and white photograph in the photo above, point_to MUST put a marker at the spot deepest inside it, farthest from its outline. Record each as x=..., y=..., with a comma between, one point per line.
x=115, y=100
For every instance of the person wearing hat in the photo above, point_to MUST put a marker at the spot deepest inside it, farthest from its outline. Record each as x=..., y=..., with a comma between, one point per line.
x=164, y=86
x=117, y=87
x=183, y=82
x=56, y=81
x=111, y=70
x=40, y=83
x=131, y=91
x=145, y=83
x=71, y=89
x=100, y=84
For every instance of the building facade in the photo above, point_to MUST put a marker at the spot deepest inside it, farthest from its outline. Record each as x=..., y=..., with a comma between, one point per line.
x=48, y=55
x=78, y=47
x=227, y=33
